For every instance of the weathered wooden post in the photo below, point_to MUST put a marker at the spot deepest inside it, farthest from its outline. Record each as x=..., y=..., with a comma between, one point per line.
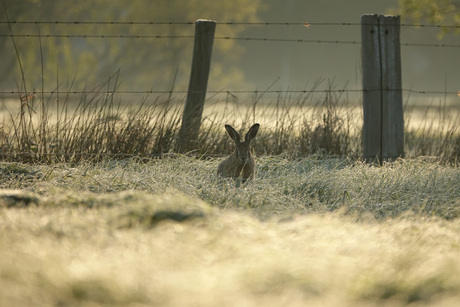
x=201, y=63
x=383, y=128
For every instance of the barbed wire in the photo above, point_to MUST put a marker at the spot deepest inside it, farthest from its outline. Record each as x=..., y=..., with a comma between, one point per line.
x=332, y=42
x=229, y=23
x=260, y=39
x=95, y=36
x=57, y=22
x=229, y=92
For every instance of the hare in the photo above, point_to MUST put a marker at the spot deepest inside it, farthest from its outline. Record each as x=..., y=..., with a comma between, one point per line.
x=241, y=162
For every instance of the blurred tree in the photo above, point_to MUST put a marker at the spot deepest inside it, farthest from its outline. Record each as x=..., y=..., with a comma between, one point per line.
x=439, y=12
x=146, y=63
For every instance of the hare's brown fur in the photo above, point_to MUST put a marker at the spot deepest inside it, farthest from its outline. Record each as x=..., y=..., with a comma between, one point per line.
x=241, y=162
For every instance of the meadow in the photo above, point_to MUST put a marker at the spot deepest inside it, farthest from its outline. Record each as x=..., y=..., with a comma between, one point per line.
x=100, y=124
x=168, y=232
x=97, y=209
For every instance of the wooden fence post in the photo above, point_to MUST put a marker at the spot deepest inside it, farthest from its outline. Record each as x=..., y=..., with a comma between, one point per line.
x=383, y=128
x=194, y=104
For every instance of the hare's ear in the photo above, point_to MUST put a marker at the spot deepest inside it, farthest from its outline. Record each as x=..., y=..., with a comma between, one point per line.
x=251, y=133
x=233, y=134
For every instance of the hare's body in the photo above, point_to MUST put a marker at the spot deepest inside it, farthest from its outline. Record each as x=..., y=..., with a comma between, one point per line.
x=241, y=162
x=232, y=167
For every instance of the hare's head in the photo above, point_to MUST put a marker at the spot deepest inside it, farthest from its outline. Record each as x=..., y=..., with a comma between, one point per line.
x=242, y=147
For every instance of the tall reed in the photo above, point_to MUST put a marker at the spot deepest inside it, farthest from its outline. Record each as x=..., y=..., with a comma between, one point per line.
x=51, y=129
x=101, y=126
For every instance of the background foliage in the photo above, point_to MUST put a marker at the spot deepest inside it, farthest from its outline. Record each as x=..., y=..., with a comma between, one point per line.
x=434, y=11
x=151, y=62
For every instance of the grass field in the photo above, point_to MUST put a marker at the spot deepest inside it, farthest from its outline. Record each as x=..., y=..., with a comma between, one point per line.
x=98, y=209
x=101, y=124
x=168, y=232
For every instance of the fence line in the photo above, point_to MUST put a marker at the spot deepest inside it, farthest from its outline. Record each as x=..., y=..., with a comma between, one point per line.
x=232, y=92
x=229, y=23
x=95, y=36
x=263, y=39
x=410, y=91
x=331, y=41
x=381, y=123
